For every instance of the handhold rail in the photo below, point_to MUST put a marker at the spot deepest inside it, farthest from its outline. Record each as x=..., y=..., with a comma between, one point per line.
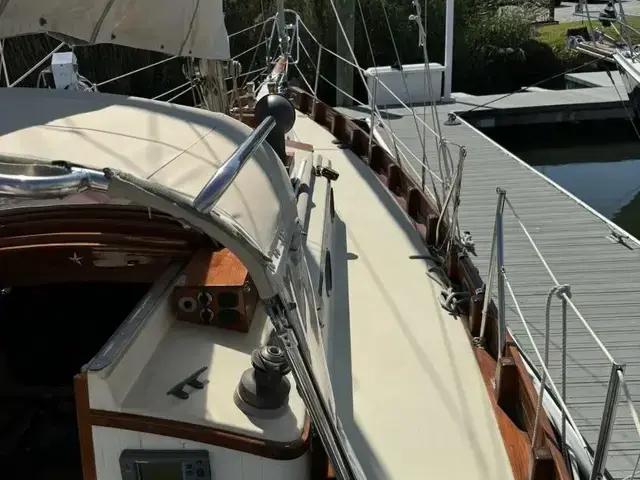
x=228, y=171
x=40, y=187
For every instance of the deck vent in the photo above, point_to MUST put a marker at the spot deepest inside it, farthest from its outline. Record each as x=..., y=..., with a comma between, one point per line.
x=264, y=389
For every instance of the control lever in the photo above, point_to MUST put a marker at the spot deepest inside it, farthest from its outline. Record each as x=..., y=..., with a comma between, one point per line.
x=192, y=380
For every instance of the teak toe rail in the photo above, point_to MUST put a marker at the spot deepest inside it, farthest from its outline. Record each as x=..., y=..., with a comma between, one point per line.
x=510, y=389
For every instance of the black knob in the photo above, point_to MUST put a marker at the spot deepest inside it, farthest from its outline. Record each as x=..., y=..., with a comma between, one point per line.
x=278, y=107
x=284, y=114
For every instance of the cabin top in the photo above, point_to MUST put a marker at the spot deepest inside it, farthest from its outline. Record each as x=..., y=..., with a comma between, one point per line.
x=177, y=147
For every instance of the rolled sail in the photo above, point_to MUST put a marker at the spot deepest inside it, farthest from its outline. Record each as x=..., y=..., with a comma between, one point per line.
x=176, y=27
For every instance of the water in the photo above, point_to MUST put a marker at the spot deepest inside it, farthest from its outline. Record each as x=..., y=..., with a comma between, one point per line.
x=598, y=162
x=611, y=188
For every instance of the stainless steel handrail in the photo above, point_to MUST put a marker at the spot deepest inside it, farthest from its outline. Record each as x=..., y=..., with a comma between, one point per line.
x=496, y=262
x=224, y=176
x=39, y=187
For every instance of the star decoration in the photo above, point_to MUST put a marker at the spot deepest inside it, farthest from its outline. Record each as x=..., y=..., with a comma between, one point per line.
x=76, y=259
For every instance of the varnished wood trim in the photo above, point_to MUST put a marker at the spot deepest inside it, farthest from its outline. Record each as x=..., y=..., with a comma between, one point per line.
x=143, y=242
x=107, y=239
x=515, y=440
x=22, y=267
x=321, y=468
x=299, y=145
x=547, y=451
x=85, y=434
x=422, y=213
x=135, y=227
x=93, y=211
x=202, y=434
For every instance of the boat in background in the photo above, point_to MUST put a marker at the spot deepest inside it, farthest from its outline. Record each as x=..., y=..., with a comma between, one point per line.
x=596, y=43
x=629, y=69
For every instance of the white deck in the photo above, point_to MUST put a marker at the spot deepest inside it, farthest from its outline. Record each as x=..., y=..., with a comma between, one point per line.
x=166, y=352
x=184, y=349
x=408, y=389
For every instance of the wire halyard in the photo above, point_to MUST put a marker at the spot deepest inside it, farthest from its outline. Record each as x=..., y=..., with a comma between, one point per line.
x=3, y=64
x=445, y=166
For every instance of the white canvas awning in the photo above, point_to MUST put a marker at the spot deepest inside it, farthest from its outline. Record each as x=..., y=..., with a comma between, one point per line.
x=174, y=146
x=176, y=27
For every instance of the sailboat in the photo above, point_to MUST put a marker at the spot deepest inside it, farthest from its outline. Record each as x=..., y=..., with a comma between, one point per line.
x=630, y=73
x=261, y=291
x=621, y=51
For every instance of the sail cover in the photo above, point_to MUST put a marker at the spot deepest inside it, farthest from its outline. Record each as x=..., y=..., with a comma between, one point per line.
x=176, y=27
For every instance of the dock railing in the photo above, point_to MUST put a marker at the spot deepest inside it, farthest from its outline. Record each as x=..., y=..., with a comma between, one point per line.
x=616, y=381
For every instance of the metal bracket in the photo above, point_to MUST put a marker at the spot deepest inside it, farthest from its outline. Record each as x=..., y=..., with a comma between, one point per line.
x=452, y=119
x=617, y=237
x=192, y=381
x=326, y=172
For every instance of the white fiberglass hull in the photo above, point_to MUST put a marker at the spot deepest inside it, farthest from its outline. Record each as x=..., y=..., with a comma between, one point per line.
x=630, y=72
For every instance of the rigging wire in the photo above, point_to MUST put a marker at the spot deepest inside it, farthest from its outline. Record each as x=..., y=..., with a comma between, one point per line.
x=424, y=163
x=395, y=138
x=442, y=146
x=415, y=121
x=584, y=4
x=424, y=84
x=358, y=68
x=360, y=71
x=443, y=149
x=375, y=65
x=3, y=64
x=164, y=60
